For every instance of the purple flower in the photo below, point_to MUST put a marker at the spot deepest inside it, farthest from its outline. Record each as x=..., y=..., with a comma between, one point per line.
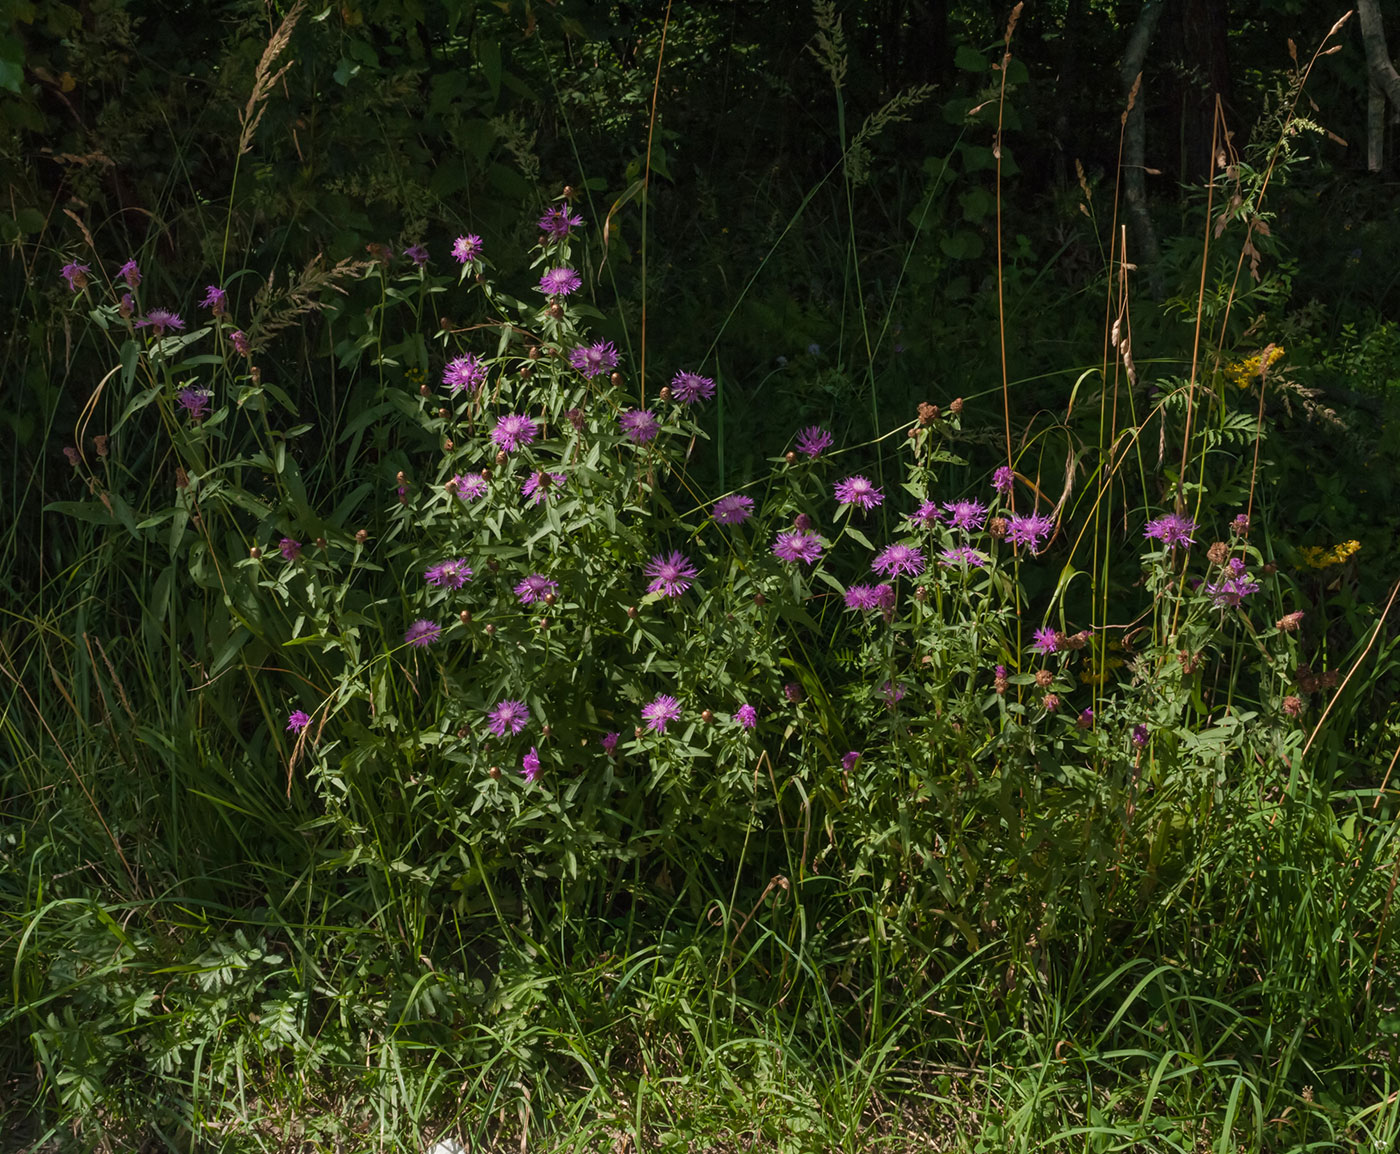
x=539, y=484
x=558, y=220
x=858, y=491
x=891, y=693
x=534, y=588
x=1047, y=640
x=195, y=402
x=962, y=555
x=640, y=425
x=468, y=486
x=671, y=575
x=966, y=515
x=1031, y=531
x=1086, y=719
x=798, y=545
x=812, y=440
x=466, y=372
x=451, y=574
x=848, y=762
x=664, y=709
x=1240, y=525
x=1172, y=530
x=596, y=359
x=610, y=741
x=793, y=692
x=1139, y=735
x=802, y=522
x=559, y=282
x=126, y=307
x=867, y=597
x=131, y=273
x=1004, y=480
x=897, y=559
x=530, y=765
x=513, y=430
x=1231, y=591
x=216, y=300
x=928, y=514
x=290, y=548
x=76, y=275
x=160, y=320
x=241, y=345
x=1001, y=672
x=508, y=715
x=467, y=248
x=746, y=716
x=422, y=633
x=298, y=720
x=733, y=509
x=691, y=387
x=417, y=254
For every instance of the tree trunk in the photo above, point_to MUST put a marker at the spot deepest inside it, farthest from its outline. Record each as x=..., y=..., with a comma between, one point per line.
x=1385, y=81
x=1200, y=29
x=1135, y=144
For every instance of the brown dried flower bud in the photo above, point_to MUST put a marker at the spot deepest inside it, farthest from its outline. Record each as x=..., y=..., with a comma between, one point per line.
x=927, y=412
x=760, y=599
x=534, y=352
x=1289, y=622
x=665, y=394
x=1218, y=553
x=399, y=477
x=526, y=370
x=555, y=310
x=631, y=612
x=790, y=457
x=570, y=192
x=706, y=716
x=1292, y=705
x=463, y=732
x=1051, y=702
x=100, y=444
x=495, y=772
x=544, y=622
x=425, y=390
x=444, y=413
x=362, y=536
x=637, y=731
x=550, y=598
x=955, y=406
x=448, y=445
x=997, y=527
x=1270, y=569
x=493, y=565
x=254, y=552
x=465, y=616
x=182, y=479
x=1000, y=684
x=1329, y=679
x=320, y=542
x=546, y=731
x=71, y=453
x=921, y=594
x=491, y=630
x=1043, y=678
x=616, y=379
x=501, y=457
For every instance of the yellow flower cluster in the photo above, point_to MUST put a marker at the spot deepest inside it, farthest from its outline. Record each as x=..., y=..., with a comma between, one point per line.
x=1316, y=557
x=1242, y=372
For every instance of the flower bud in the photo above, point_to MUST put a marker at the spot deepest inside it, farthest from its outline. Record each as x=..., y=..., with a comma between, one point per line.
x=448, y=445
x=1218, y=553
x=790, y=457
x=912, y=433
x=631, y=612
x=555, y=310
x=534, y=353
x=1043, y=678
x=637, y=731
x=546, y=731
x=425, y=390
x=444, y=413
x=501, y=457
x=362, y=536
x=465, y=616
x=526, y=370
x=616, y=379
x=706, y=716
x=254, y=552
x=1051, y=702
x=463, y=732
x=399, y=477
x=491, y=630
x=759, y=599
x=955, y=406
x=1289, y=622
x=1292, y=705
x=320, y=542
x=544, y=622
x=550, y=598
x=997, y=527
x=1270, y=569
x=665, y=394
x=100, y=444
x=493, y=565
x=495, y=772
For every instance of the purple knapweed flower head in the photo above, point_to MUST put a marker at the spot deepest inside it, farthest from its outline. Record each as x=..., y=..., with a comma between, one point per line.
x=746, y=716
x=895, y=560
x=962, y=555
x=594, y=360
x=76, y=275
x=557, y=221
x=513, y=431
x=298, y=720
x=1047, y=640
x=560, y=282
x=1240, y=525
x=966, y=515
x=610, y=741
x=126, y=307
x=467, y=248
x=241, y=344
x=417, y=254
x=813, y=440
x=290, y=548
x=1230, y=592
x=691, y=387
x=534, y=588
x=1085, y=719
x=466, y=372
x=507, y=715
x=867, y=597
x=659, y=712
x=1139, y=735
x=891, y=693
x=539, y=486
x=215, y=300
x=195, y=402
x=468, y=486
x=1172, y=530
x=859, y=492
x=671, y=574
x=530, y=765
x=927, y=515
x=733, y=509
x=848, y=762
x=451, y=574
x=1001, y=673
x=640, y=425
x=1004, y=480
x=1032, y=531
x=131, y=273
x=160, y=320
x=422, y=633
x=798, y=545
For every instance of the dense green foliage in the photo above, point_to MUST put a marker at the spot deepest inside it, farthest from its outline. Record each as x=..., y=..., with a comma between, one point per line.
x=1073, y=834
